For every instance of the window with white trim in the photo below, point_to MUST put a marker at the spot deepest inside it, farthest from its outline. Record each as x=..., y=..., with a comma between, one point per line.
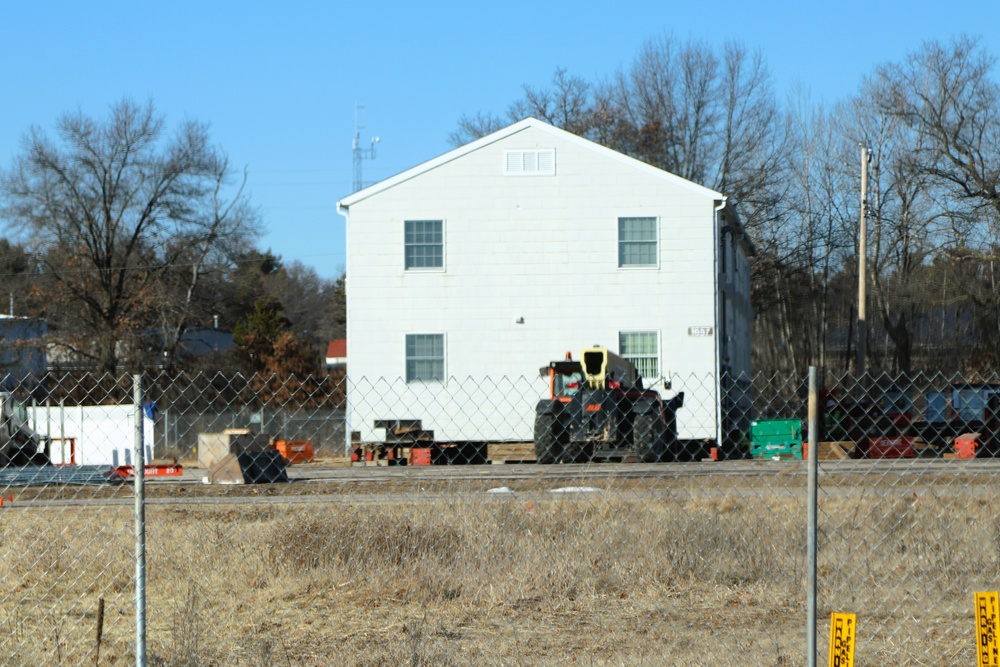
x=642, y=350
x=637, y=242
x=425, y=358
x=424, y=244
x=534, y=162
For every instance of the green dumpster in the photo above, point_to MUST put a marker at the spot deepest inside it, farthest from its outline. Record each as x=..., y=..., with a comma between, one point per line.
x=780, y=438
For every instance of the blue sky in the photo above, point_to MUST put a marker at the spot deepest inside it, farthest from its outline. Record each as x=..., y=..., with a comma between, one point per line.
x=278, y=82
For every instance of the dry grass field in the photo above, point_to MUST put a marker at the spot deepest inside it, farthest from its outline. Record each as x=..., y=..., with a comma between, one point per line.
x=628, y=575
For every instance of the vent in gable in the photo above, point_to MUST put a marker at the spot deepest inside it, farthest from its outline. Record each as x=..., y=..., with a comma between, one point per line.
x=536, y=162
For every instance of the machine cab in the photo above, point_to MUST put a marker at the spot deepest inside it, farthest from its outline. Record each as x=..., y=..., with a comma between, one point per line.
x=566, y=378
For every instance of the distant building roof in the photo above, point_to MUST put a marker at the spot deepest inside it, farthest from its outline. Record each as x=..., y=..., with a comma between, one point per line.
x=23, y=351
x=201, y=341
x=336, y=352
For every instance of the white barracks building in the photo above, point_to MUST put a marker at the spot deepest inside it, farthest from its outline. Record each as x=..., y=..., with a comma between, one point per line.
x=468, y=273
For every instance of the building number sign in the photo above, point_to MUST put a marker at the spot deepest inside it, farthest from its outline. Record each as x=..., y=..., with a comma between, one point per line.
x=699, y=331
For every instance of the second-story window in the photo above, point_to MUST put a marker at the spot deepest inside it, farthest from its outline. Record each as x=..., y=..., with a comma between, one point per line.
x=424, y=244
x=637, y=242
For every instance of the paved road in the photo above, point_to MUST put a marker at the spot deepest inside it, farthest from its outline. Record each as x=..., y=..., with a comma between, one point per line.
x=620, y=471
x=338, y=484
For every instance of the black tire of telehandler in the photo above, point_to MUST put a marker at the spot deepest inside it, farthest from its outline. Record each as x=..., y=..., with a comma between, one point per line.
x=647, y=438
x=580, y=453
x=548, y=440
x=20, y=458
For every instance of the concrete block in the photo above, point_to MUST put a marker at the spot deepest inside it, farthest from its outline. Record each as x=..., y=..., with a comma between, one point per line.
x=212, y=448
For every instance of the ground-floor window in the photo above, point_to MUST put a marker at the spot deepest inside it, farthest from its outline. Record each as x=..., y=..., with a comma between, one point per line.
x=424, y=357
x=642, y=349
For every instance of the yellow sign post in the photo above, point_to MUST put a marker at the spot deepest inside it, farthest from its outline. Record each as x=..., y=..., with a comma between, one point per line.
x=842, y=627
x=987, y=629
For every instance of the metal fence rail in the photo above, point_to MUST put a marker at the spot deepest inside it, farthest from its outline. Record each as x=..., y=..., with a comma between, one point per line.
x=424, y=530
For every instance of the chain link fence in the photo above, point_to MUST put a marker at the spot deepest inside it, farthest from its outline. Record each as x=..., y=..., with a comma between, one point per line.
x=417, y=525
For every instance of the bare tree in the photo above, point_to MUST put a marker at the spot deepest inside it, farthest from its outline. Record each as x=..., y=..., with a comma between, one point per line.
x=710, y=118
x=901, y=217
x=473, y=127
x=803, y=244
x=666, y=103
x=211, y=243
x=567, y=104
x=17, y=270
x=945, y=95
x=112, y=206
x=753, y=160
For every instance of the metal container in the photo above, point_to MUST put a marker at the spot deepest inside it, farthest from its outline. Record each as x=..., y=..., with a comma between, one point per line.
x=776, y=437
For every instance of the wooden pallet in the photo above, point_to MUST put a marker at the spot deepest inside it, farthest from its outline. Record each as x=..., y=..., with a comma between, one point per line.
x=510, y=452
x=833, y=451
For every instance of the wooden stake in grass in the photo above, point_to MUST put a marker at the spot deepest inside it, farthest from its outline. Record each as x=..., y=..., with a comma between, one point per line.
x=100, y=630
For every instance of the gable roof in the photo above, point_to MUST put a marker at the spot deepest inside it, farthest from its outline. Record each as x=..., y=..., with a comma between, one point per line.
x=509, y=131
x=337, y=349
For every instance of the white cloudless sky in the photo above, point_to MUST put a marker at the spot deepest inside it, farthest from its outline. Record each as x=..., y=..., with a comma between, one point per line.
x=279, y=82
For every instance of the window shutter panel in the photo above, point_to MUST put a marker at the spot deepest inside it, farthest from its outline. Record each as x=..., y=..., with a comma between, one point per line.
x=514, y=163
x=530, y=162
x=547, y=162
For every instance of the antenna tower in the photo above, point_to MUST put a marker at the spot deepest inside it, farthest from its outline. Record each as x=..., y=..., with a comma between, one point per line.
x=360, y=153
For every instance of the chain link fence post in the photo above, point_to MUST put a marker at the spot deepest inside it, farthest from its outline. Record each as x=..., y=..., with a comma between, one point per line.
x=813, y=458
x=139, y=468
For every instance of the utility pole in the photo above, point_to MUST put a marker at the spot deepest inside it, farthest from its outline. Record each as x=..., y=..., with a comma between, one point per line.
x=862, y=265
x=360, y=153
